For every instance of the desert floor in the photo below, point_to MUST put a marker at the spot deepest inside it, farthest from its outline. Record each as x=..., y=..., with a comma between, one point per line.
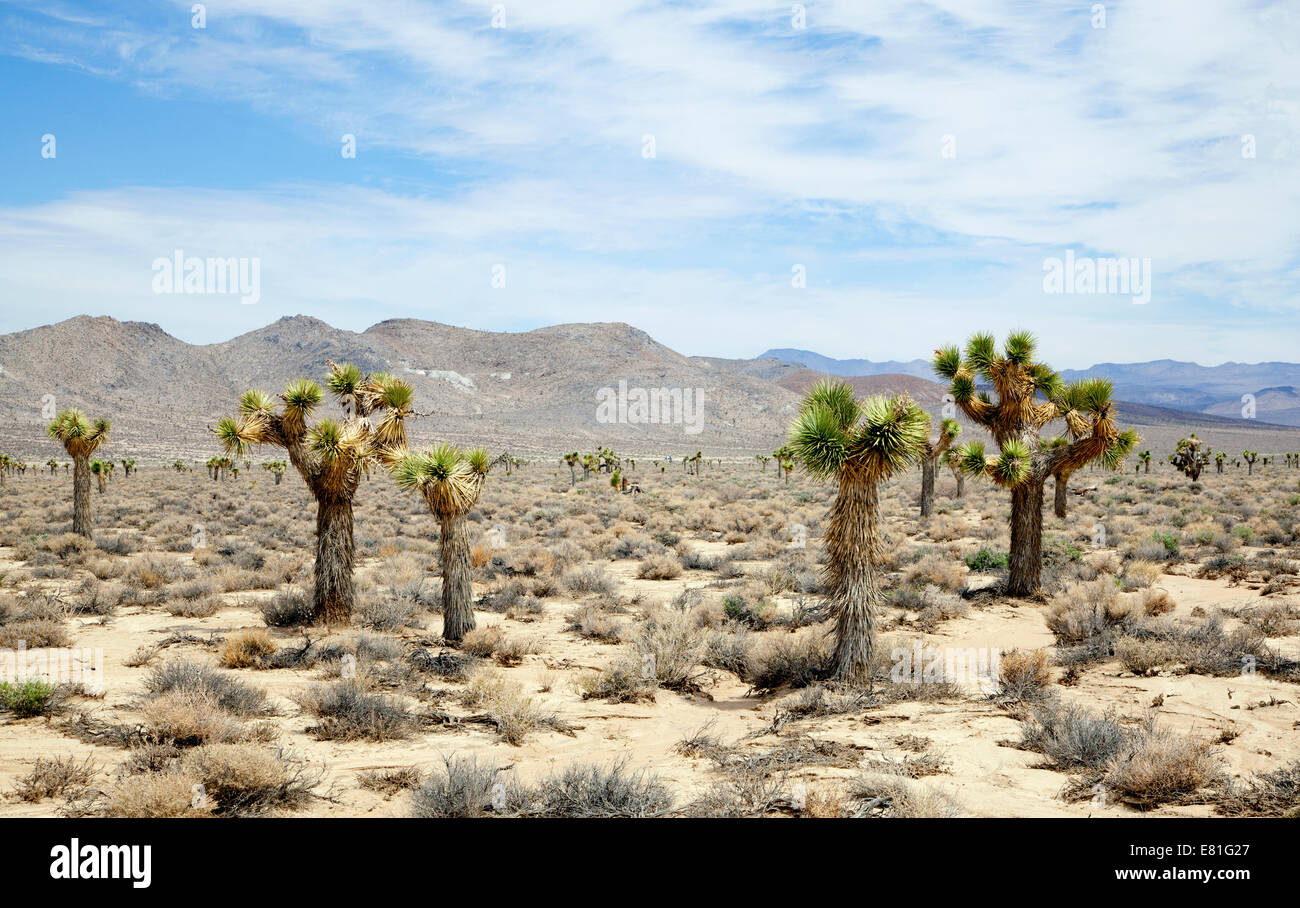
x=1169, y=617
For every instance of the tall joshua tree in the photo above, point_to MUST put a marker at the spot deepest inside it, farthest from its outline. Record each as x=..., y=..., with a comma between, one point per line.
x=1250, y=457
x=858, y=444
x=1145, y=457
x=331, y=455
x=934, y=449
x=80, y=438
x=451, y=481
x=1030, y=397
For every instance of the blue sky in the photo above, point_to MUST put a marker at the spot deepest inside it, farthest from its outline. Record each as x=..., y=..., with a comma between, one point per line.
x=523, y=146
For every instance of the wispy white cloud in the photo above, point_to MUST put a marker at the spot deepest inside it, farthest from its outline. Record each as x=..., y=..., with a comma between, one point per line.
x=774, y=145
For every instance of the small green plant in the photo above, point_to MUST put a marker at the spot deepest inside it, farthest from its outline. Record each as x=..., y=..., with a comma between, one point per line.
x=31, y=698
x=986, y=560
x=1244, y=533
x=1168, y=540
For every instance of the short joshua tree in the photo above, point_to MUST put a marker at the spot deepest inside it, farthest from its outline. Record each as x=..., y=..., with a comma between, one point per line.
x=1030, y=396
x=1250, y=457
x=934, y=449
x=99, y=469
x=1190, y=457
x=450, y=480
x=80, y=438
x=952, y=459
x=276, y=468
x=1145, y=457
x=858, y=444
x=331, y=455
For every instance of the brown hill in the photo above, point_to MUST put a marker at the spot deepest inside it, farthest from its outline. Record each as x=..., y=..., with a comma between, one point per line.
x=535, y=391
x=928, y=394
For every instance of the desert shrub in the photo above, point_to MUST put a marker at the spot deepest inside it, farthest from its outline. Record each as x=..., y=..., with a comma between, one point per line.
x=248, y=780
x=935, y=569
x=53, y=777
x=593, y=623
x=246, y=648
x=193, y=608
x=1024, y=675
x=159, y=794
x=1140, y=573
x=390, y=781
x=893, y=796
x=794, y=659
x=386, y=613
x=1269, y=794
x=348, y=712
x=588, y=790
x=1161, y=767
x=1156, y=602
x=229, y=693
x=482, y=642
x=593, y=579
x=188, y=718
x=1085, y=610
x=728, y=649
x=464, y=788
x=674, y=647
x=288, y=608
x=660, y=567
x=1073, y=737
x=29, y=698
x=622, y=681
x=987, y=560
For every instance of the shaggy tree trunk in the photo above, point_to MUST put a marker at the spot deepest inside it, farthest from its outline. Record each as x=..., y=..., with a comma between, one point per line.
x=573, y=476
x=278, y=477
x=334, y=594
x=1026, y=560
x=1061, y=485
x=853, y=588
x=81, y=520
x=457, y=592
x=927, y=486
x=961, y=485
x=1146, y=466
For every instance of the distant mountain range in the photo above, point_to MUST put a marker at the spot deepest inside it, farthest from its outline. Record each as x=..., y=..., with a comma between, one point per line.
x=532, y=392
x=1169, y=384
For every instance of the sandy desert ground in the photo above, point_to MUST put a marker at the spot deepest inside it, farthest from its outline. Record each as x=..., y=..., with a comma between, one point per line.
x=1121, y=691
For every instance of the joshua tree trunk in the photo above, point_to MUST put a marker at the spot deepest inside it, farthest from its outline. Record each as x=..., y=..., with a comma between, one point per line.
x=1026, y=559
x=334, y=595
x=457, y=593
x=961, y=485
x=1061, y=485
x=927, y=486
x=278, y=477
x=853, y=587
x=81, y=520
x=1146, y=466
x=573, y=476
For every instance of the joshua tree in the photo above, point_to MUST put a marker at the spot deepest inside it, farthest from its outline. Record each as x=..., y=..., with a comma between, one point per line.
x=331, y=456
x=934, y=449
x=100, y=468
x=1218, y=461
x=953, y=460
x=276, y=468
x=858, y=444
x=588, y=465
x=450, y=481
x=572, y=460
x=1145, y=457
x=80, y=438
x=1190, y=457
x=762, y=462
x=785, y=462
x=53, y=465
x=1030, y=396
x=128, y=466
x=1250, y=457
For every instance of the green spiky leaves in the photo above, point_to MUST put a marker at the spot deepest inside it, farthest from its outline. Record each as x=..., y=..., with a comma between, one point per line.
x=947, y=361
x=449, y=479
x=1124, y=444
x=78, y=435
x=302, y=396
x=982, y=354
x=255, y=401
x=835, y=431
x=949, y=429
x=1011, y=467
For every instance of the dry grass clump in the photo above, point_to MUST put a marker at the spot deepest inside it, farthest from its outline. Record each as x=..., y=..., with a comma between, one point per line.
x=159, y=794
x=1073, y=737
x=664, y=566
x=389, y=782
x=1024, y=675
x=1140, y=574
x=249, y=780
x=937, y=569
x=188, y=718
x=593, y=622
x=246, y=649
x=1156, y=601
x=671, y=647
x=185, y=676
x=504, y=704
x=588, y=580
x=622, y=681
